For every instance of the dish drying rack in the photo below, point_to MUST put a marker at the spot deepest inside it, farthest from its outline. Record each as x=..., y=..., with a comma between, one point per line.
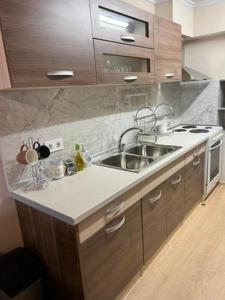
x=148, y=118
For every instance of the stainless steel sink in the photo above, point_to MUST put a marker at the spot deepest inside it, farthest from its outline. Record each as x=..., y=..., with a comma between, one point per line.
x=125, y=161
x=154, y=151
x=137, y=158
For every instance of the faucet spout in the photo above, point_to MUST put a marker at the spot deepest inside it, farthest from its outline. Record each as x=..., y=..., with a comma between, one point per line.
x=120, y=145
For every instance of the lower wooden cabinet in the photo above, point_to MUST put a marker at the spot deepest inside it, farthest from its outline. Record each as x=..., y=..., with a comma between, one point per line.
x=113, y=256
x=194, y=179
x=97, y=259
x=175, y=201
x=154, y=220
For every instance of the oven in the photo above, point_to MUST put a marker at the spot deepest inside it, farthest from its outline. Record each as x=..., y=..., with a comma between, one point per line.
x=214, y=162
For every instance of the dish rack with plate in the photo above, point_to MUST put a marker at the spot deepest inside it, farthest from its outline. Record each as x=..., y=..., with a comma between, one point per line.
x=152, y=120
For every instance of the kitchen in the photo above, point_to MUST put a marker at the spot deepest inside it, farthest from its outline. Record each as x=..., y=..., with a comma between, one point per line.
x=132, y=225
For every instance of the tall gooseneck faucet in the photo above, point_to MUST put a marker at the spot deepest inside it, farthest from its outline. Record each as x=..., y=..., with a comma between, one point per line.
x=120, y=145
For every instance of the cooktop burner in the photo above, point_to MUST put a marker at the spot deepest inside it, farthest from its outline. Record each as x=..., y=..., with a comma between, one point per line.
x=180, y=130
x=199, y=131
x=189, y=126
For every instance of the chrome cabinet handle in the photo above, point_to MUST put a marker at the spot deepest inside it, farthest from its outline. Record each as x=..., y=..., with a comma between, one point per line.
x=196, y=162
x=116, y=227
x=127, y=38
x=130, y=78
x=176, y=181
x=115, y=209
x=156, y=198
x=169, y=75
x=58, y=73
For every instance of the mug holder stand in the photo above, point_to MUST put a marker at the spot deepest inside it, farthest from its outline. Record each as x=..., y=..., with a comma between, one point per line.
x=35, y=184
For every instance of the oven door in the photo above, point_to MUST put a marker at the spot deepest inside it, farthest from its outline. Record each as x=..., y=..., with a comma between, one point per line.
x=214, y=165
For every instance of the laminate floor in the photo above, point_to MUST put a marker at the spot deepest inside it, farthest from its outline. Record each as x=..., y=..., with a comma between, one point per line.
x=191, y=266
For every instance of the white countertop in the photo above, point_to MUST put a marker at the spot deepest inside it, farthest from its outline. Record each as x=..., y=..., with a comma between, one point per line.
x=74, y=198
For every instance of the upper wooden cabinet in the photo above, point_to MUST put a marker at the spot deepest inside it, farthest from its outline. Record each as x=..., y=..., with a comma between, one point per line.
x=118, y=63
x=123, y=23
x=48, y=42
x=168, y=51
x=4, y=72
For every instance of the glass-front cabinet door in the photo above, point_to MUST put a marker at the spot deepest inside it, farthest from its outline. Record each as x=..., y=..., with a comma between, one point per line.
x=120, y=22
x=118, y=63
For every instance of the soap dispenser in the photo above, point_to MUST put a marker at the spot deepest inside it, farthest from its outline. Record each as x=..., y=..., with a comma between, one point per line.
x=78, y=159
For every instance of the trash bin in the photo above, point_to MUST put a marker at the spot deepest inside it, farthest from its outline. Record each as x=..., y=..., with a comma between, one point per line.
x=20, y=276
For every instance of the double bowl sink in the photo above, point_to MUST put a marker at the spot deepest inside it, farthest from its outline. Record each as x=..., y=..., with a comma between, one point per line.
x=138, y=157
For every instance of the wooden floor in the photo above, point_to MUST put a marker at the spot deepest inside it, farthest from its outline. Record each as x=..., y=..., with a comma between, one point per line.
x=192, y=264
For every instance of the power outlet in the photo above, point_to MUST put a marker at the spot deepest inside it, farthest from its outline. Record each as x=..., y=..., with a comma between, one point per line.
x=55, y=145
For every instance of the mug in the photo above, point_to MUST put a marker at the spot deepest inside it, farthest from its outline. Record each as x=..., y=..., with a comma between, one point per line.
x=43, y=151
x=27, y=155
x=160, y=129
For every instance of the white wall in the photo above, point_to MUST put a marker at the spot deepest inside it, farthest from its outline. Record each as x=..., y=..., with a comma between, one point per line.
x=207, y=56
x=10, y=235
x=143, y=4
x=209, y=19
x=183, y=14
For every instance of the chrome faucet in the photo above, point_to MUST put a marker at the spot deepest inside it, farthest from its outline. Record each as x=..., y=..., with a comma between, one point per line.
x=120, y=145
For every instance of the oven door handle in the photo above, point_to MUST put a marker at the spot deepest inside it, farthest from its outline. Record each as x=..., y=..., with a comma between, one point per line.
x=217, y=146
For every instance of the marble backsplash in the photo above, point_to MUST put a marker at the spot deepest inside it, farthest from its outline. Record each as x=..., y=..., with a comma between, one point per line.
x=93, y=115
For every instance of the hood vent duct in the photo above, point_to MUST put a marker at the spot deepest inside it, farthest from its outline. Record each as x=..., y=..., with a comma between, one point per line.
x=189, y=74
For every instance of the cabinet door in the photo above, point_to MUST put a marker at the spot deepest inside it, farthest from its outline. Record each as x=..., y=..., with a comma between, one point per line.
x=112, y=256
x=48, y=42
x=194, y=182
x=154, y=220
x=117, y=63
x=175, y=201
x=5, y=82
x=120, y=22
x=168, y=54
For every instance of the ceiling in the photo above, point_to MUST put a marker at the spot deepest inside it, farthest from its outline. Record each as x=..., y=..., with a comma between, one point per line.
x=192, y=2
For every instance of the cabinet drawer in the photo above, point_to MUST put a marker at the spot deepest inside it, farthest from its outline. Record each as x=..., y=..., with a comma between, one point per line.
x=98, y=220
x=122, y=23
x=117, y=63
x=154, y=220
x=111, y=258
x=153, y=181
x=175, y=201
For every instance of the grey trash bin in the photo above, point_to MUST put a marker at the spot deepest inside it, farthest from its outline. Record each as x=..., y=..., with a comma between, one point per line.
x=20, y=276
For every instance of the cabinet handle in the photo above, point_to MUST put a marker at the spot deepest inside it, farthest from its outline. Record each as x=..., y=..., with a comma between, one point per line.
x=60, y=73
x=196, y=162
x=115, y=209
x=116, y=227
x=217, y=146
x=169, y=75
x=127, y=38
x=130, y=78
x=156, y=198
x=176, y=181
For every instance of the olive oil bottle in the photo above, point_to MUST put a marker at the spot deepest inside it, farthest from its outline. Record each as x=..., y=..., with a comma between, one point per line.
x=78, y=159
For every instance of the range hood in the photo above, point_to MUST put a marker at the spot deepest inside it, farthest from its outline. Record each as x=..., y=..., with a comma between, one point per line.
x=189, y=74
